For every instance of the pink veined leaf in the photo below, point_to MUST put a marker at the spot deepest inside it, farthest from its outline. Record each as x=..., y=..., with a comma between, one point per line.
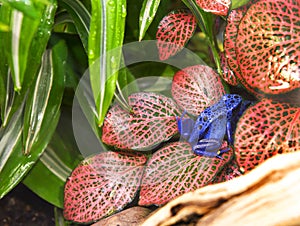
x=230, y=36
x=173, y=32
x=268, y=46
x=174, y=170
x=102, y=185
x=218, y=7
x=196, y=88
x=227, y=74
x=266, y=129
x=151, y=121
x=229, y=172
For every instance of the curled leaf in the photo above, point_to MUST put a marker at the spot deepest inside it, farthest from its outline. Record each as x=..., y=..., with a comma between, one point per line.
x=218, y=7
x=152, y=120
x=266, y=129
x=196, y=88
x=102, y=185
x=174, y=170
x=173, y=32
x=268, y=46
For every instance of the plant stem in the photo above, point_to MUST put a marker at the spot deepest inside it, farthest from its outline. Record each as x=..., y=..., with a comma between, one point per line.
x=205, y=24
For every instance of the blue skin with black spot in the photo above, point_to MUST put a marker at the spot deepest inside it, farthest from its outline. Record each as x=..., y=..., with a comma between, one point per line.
x=207, y=133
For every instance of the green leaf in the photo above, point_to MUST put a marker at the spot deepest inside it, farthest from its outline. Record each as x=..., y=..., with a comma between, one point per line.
x=35, y=52
x=106, y=33
x=45, y=97
x=4, y=27
x=147, y=15
x=10, y=138
x=27, y=7
x=23, y=29
x=64, y=23
x=17, y=164
x=4, y=70
x=238, y=3
x=10, y=147
x=48, y=176
x=126, y=83
x=81, y=17
x=84, y=100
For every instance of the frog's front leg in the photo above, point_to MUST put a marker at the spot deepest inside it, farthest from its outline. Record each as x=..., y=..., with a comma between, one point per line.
x=209, y=148
x=211, y=144
x=201, y=125
x=185, y=126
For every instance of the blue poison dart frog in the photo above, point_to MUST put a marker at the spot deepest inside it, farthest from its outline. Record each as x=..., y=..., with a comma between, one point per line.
x=206, y=134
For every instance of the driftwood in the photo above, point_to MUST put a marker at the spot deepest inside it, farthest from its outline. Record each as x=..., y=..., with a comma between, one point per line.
x=268, y=195
x=130, y=217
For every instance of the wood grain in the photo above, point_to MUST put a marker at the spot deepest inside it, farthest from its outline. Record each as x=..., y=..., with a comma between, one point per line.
x=268, y=195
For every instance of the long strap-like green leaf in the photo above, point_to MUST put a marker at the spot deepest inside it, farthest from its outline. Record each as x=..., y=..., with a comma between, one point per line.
x=81, y=17
x=29, y=57
x=44, y=98
x=42, y=113
x=106, y=33
x=23, y=29
x=147, y=15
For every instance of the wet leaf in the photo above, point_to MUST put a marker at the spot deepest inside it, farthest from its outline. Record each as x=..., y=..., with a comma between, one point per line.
x=27, y=7
x=218, y=7
x=196, y=88
x=174, y=170
x=173, y=32
x=35, y=52
x=104, y=51
x=268, y=46
x=147, y=15
x=152, y=120
x=14, y=165
x=44, y=99
x=23, y=29
x=102, y=185
x=266, y=129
